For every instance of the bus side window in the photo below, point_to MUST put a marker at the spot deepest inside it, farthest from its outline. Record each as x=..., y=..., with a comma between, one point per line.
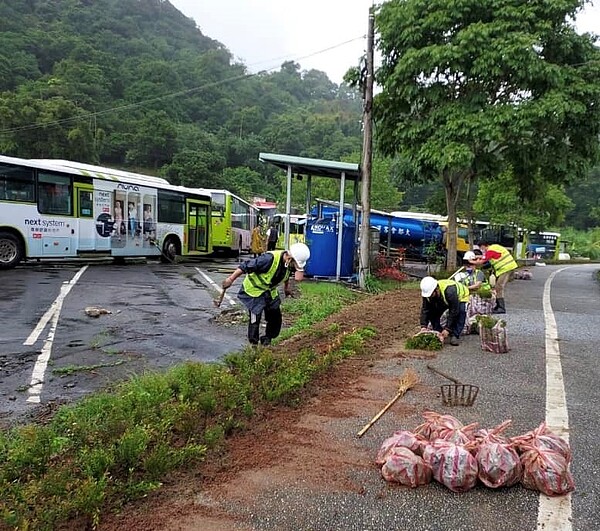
x=16, y=184
x=54, y=194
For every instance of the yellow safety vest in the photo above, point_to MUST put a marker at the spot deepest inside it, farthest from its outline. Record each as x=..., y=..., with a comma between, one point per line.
x=255, y=284
x=463, y=291
x=505, y=263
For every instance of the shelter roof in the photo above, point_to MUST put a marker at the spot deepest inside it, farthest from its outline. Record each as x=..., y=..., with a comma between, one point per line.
x=314, y=167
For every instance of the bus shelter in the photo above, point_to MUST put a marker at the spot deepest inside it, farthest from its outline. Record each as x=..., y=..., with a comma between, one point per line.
x=345, y=172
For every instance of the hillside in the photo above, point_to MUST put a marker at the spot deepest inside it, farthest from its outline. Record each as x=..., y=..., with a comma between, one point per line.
x=134, y=83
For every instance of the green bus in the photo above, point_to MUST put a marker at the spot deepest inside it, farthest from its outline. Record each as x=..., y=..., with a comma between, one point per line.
x=232, y=222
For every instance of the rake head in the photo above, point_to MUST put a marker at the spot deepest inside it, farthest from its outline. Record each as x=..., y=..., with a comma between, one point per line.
x=459, y=395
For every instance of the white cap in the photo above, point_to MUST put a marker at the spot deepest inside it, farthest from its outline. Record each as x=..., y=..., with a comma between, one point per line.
x=469, y=255
x=300, y=253
x=428, y=285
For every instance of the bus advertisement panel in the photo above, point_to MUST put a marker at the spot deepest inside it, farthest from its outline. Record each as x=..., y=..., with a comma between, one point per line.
x=62, y=209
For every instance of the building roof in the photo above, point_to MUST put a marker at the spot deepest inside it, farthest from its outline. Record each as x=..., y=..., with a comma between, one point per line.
x=314, y=167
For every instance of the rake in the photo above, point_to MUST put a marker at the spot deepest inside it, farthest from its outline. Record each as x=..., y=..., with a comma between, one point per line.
x=458, y=394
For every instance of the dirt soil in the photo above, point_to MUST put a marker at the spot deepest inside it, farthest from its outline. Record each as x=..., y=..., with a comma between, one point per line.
x=221, y=492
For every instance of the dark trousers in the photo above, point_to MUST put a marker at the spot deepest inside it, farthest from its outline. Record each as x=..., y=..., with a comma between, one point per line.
x=273, y=318
x=459, y=325
x=271, y=246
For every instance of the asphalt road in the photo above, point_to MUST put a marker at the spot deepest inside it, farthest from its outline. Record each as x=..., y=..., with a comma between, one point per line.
x=161, y=315
x=513, y=386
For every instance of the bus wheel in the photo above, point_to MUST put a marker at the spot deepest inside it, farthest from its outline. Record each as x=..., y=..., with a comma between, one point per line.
x=169, y=251
x=11, y=250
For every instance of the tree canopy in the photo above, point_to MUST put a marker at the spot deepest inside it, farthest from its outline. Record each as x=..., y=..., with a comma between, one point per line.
x=134, y=83
x=470, y=88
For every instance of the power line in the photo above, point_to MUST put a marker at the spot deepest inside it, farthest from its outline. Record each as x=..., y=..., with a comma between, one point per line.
x=173, y=94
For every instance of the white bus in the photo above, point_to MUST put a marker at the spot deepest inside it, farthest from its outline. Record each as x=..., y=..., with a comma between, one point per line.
x=233, y=220
x=64, y=209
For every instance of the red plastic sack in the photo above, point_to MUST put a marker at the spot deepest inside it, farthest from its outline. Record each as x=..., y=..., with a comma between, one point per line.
x=480, y=305
x=434, y=422
x=499, y=465
x=546, y=471
x=493, y=434
x=404, y=439
x=544, y=439
x=494, y=339
x=405, y=467
x=452, y=465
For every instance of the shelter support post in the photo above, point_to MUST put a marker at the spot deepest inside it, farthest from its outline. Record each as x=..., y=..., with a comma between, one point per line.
x=338, y=269
x=308, y=200
x=288, y=207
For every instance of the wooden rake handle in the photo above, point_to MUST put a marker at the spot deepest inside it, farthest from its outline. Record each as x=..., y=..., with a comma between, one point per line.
x=431, y=368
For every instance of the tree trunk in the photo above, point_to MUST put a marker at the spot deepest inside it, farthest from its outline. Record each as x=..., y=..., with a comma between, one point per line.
x=452, y=187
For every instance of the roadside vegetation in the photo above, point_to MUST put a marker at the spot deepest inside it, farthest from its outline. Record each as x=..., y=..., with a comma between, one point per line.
x=118, y=445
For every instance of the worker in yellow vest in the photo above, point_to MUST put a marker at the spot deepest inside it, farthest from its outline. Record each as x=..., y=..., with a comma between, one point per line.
x=439, y=296
x=502, y=264
x=259, y=290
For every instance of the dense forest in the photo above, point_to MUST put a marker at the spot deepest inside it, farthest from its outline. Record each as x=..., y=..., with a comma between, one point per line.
x=135, y=84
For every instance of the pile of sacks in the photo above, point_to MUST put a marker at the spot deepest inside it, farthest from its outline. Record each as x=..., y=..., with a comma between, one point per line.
x=522, y=274
x=459, y=456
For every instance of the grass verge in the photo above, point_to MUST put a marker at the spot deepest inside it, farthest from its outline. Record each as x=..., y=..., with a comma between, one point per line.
x=118, y=445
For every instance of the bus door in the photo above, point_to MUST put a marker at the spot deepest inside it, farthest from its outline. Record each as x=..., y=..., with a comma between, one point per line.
x=84, y=212
x=198, y=219
x=221, y=233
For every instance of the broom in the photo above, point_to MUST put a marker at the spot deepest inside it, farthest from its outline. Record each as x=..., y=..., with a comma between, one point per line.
x=408, y=380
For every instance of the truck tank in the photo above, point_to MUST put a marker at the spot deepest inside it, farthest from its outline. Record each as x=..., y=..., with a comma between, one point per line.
x=415, y=236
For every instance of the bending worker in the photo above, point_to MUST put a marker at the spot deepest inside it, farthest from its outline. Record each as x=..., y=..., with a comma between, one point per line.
x=259, y=290
x=439, y=296
x=502, y=264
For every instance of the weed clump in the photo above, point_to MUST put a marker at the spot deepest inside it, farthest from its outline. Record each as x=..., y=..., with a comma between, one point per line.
x=424, y=341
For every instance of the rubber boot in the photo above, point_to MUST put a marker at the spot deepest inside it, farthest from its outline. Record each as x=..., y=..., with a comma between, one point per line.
x=500, y=308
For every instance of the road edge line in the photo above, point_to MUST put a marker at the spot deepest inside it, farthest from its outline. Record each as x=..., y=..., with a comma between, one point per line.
x=215, y=286
x=554, y=513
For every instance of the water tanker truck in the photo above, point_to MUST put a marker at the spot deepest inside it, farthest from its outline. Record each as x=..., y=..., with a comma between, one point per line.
x=419, y=238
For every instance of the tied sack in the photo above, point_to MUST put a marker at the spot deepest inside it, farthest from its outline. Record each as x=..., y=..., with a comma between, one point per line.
x=453, y=465
x=499, y=465
x=494, y=339
x=405, y=467
x=404, y=439
x=546, y=471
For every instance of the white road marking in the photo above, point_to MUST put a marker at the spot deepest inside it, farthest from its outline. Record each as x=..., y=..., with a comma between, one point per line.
x=554, y=514
x=216, y=286
x=41, y=364
x=35, y=334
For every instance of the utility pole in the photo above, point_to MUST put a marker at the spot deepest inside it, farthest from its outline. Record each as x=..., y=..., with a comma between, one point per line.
x=367, y=159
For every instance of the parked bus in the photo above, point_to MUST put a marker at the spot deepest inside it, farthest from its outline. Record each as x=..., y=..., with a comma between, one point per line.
x=297, y=228
x=63, y=209
x=233, y=220
x=544, y=245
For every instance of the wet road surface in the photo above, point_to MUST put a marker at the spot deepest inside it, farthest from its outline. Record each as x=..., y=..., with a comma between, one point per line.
x=161, y=315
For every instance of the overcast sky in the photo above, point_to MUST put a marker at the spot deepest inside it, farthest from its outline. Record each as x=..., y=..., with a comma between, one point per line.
x=264, y=33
